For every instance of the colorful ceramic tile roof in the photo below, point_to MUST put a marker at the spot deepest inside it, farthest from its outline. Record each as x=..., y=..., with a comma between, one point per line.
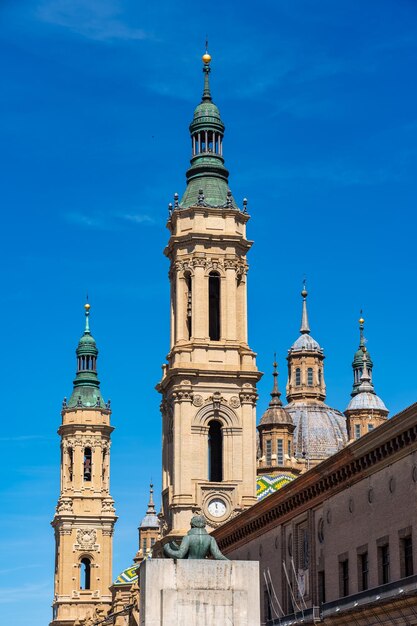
x=268, y=483
x=127, y=577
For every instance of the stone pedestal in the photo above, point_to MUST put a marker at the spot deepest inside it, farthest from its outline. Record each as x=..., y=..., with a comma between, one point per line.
x=199, y=593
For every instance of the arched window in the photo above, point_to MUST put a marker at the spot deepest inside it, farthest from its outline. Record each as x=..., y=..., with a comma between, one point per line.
x=310, y=376
x=298, y=376
x=85, y=574
x=189, y=303
x=215, y=452
x=70, y=463
x=214, y=306
x=87, y=464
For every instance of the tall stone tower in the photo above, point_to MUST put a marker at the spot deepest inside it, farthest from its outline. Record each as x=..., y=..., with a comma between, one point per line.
x=209, y=383
x=85, y=516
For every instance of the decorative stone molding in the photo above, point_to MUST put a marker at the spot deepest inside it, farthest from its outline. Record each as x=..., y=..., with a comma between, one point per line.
x=108, y=506
x=248, y=397
x=183, y=396
x=198, y=261
x=234, y=402
x=64, y=505
x=86, y=539
x=217, y=399
x=198, y=400
x=217, y=410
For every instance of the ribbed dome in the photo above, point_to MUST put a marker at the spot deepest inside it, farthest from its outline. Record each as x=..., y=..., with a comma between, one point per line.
x=305, y=342
x=150, y=521
x=366, y=400
x=207, y=116
x=320, y=431
x=275, y=415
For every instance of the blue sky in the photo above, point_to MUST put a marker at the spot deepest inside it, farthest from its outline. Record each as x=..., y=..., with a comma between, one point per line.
x=319, y=99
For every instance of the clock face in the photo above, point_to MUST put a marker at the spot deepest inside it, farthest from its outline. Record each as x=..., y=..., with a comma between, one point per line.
x=217, y=508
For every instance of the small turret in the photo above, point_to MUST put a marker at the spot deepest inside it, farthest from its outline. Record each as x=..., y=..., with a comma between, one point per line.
x=149, y=530
x=357, y=363
x=366, y=410
x=275, y=433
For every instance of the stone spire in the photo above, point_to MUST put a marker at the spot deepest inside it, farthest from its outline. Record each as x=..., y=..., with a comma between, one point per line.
x=357, y=364
x=275, y=413
x=305, y=328
x=86, y=392
x=366, y=384
x=207, y=178
x=151, y=519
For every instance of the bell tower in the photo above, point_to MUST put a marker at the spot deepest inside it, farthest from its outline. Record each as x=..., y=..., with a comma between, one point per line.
x=85, y=516
x=209, y=382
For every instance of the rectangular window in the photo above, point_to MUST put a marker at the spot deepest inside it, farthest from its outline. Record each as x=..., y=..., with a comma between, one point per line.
x=363, y=571
x=280, y=452
x=344, y=577
x=298, y=376
x=310, y=376
x=268, y=452
x=406, y=557
x=383, y=564
x=370, y=427
x=289, y=448
x=357, y=431
x=321, y=587
x=144, y=545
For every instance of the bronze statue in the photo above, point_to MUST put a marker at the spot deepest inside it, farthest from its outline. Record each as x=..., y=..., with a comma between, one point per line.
x=197, y=543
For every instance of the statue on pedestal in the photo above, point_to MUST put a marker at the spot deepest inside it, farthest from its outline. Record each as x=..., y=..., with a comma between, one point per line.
x=197, y=543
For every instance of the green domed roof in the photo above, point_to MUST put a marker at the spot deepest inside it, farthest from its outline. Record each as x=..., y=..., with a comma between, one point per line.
x=86, y=392
x=206, y=117
x=207, y=178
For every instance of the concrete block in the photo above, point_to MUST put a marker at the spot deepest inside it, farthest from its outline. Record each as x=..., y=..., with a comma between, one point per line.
x=199, y=593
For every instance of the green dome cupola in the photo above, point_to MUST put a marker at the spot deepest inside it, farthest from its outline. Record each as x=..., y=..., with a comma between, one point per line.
x=207, y=178
x=357, y=363
x=86, y=392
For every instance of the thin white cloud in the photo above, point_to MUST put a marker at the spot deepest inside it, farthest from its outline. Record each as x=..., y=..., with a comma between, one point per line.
x=94, y=222
x=100, y=20
x=106, y=221
x=138, y=218
x=29, y=592
x=25, y=438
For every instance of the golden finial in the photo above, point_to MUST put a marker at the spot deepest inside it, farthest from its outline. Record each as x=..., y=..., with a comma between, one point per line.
x=361, y=320
x=87, y=306
x=206, y=56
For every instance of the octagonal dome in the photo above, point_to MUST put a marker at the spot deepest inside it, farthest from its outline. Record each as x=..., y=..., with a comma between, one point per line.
x=320, y=431
x=366, y=400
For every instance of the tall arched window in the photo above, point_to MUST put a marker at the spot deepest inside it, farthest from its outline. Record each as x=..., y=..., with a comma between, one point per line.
x=85, y=574
x=87, y=464
x=189, y=303
x=214, y=306
x=310, y=376
x=215, y=452
x=298, y=376
x=70, y=464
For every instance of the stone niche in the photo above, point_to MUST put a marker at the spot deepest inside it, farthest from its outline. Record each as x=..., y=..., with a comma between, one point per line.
x=199, y=593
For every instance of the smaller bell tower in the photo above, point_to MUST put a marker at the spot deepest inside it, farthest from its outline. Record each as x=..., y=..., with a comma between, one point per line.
x=85, y=515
